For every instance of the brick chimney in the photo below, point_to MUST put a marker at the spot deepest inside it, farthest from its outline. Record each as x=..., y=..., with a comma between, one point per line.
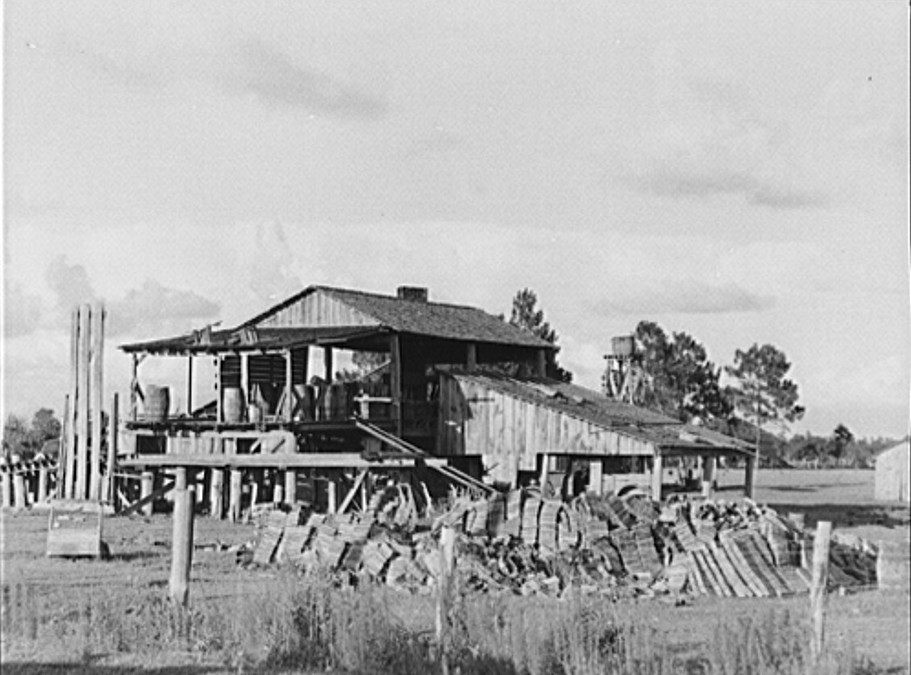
x=413, y=293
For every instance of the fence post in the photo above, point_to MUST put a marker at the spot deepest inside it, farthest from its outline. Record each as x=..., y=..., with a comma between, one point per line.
x=820, y=575
x=19, y=491
x=182, y=539
x=7, y=488
x=444, y=589
x=146, y=484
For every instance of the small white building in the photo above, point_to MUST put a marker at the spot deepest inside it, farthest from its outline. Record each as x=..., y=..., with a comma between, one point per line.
x=893, y=474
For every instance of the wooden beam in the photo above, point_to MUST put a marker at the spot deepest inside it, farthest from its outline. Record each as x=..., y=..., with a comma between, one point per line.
x=64, y=488
x=113, y=442
x=657, y=477
x=97, y=391
x=219, y=405
x=322, y=460
x=134, y=385
x=145, y=502
x=353, y=491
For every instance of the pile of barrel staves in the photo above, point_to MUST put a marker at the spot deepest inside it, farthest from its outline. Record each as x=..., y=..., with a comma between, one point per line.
x=617, y=546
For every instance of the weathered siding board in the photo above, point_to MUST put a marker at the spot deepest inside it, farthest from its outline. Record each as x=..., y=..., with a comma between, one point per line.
x=317, y=309
x=506, y=429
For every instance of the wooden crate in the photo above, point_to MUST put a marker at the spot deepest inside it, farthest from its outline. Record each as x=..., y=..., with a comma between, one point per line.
x=75, y=529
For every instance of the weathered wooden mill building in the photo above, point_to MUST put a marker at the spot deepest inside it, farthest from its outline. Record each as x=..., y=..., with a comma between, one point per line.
x=438, y=401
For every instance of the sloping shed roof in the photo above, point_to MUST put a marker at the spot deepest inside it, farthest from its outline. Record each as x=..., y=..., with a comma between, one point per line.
x=251, y=339
x=665, y=432
x=420, y=317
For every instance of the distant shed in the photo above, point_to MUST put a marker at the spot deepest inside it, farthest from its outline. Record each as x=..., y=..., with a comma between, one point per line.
x=893, y=475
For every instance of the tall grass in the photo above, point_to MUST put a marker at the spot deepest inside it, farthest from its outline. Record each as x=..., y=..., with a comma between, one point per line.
x=289, y=624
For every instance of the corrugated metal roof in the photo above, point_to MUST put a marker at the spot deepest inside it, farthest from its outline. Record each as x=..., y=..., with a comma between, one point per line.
x=594, y=407
x=247, y=338
x=434, y=319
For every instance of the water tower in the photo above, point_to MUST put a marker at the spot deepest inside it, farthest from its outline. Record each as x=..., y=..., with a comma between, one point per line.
x=620, y=378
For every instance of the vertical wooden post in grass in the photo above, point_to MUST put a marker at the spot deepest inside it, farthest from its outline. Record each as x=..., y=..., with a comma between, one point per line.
x=749, y=480
x=444, y=591
x=333, y=502
x=820, y=574
x=182, y=540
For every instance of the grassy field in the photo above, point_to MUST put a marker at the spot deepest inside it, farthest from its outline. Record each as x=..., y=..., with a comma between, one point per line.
x=110, y=616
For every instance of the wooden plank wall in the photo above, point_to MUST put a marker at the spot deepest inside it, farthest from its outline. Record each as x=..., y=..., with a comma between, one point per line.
x=317, y=309
x=502, y=428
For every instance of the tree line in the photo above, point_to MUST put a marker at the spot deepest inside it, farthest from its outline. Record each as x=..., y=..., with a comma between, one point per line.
x=755, y=402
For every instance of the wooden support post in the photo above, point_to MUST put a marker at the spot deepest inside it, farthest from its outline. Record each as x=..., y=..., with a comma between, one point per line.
x=657, y=476
x=749, y=480
x=278, y=494
x=182, y=540
x=244, y=382
x=216, y=491
x=708, y=475
x=110, y=490
x=541, y=365
x=545, y=473
x=146, y=483
x=134, y=389
x=819, y=577
x=365, y=498
x=19, y=495
x=471, y=356
x=234, y=495
x=7, y=489
x=97, y=391
x=596, y=476
x=190, y=385
x=82, y=404
x=289, y=389
x=219, y=404
x=327, y=364
x=395, y=369
x=42, y=485
x=444, y=592
x=331, y=495
x=290, y=487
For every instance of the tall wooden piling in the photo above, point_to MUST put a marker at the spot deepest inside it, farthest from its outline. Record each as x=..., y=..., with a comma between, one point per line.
x=444, y=592
x=110, y=488
x=82, y=404
x=68, y=467
x=97, y=394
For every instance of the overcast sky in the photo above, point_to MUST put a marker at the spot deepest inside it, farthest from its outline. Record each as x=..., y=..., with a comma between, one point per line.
x=738, y=171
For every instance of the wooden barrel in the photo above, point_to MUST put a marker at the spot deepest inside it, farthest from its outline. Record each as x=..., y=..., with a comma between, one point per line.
x=233, y=404
x=157, y=402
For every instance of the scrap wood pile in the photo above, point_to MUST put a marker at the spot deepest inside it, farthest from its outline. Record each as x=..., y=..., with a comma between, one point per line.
x=518, y=542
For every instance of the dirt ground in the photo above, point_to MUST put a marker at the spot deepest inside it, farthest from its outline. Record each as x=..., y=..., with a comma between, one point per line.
x=876, y=623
